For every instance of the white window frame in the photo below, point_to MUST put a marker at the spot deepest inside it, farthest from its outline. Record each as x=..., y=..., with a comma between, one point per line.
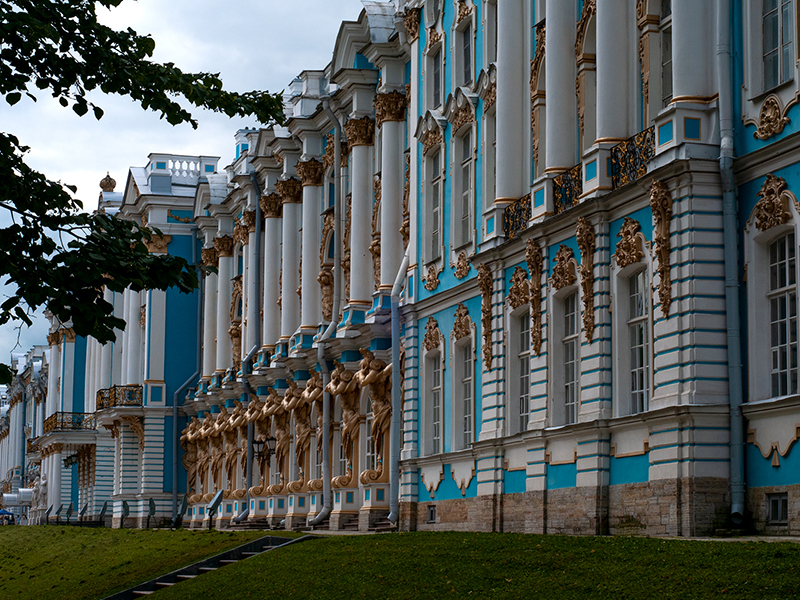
x=489, y=158
x=557, y=413
x=489, y=32
x=458, y=348
x=786, y=31
x=519, y=352
x=430, y=360
x=666, y=53
x=463, y=194
x=621, y=350
x=463, y=40
x=756, y=250
x=434, y=220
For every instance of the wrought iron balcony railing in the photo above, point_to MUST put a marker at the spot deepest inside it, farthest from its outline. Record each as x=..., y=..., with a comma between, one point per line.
x=629, y=158
x=567, y=188
x=516, y=217
x=64, y=421
x=32, y=444
x=119, y=395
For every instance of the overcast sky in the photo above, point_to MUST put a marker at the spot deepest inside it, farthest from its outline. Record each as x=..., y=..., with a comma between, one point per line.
x=253, y=44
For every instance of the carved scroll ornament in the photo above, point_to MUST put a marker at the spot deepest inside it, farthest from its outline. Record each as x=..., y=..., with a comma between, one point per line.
x=773, y=207
x=485, y=286
x=519, y=293
x=137, y=426
x=462, y=266
x=272, y=206
x=433, y=335
x=360, y=132
x=564, y=270
x=390, y=107
x=290, y=191
x=411, y=19
x=661, y=205
x=310, y=172
x=463, y=324
x=535, y=260
x=431, y=279
x=432, y=139
x=771, y=119
x=586, y=243
x=629, y=249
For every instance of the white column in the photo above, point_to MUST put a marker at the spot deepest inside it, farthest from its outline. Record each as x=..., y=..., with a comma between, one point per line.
x=692, y=55
x=54, y=484
x=613, y=69
x=360, y=136
x=224, y=247
x=311, y=174
x=251, y=291
x=134, y=330
x=392, y=188
x=291, y=194
x=107, y=356
x=125, y=338
x=271, y=205
x=562, y=118
x=210, y=315
x=511, y=82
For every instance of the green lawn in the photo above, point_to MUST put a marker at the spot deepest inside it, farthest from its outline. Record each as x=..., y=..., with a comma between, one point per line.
x=72, y=563
x=469, y=565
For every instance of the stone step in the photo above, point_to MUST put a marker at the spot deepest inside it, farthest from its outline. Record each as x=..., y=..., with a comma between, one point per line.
x=186, y=576
x=165, y=583
x=204, y=569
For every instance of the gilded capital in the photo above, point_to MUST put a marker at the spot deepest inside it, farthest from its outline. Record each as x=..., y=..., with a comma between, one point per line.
x=224, y=246
x=290, y=191
x=360, y=132
x=390, y=107
x=157, y=244
x=310, y=172
x=249, y=220
x=209, y=257
x=272, y=206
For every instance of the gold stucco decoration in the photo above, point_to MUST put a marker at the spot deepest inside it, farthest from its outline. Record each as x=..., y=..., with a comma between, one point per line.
x=433, y=335
x=485, y=285
x=771, y=119
x=271, y=206
x=249, y=221
x=773, y=207
x=290, y=190
x=390, y=107
x=136, y=424
x=462, y=266
x=224, y=246
x=535, y=260
x=360, y=132
x=107, y=183
x=462, y=326
x=629, y=249
x=209, y=257
x=586, y=243
x=519, y=293
x=310, y=172
x=564, y=269
x=411, y=19
x=661, y=205
x=432, y=139
x=157, y=244
x=432, y=278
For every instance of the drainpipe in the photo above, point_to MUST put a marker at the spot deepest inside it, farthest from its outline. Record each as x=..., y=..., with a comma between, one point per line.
x=730, y=238
x=327, y=500
x=176, y=439
x=243, y=380
x=397, y=397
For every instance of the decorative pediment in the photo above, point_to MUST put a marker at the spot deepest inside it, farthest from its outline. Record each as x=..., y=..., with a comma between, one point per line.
x=460, y=108
x=564, y=270
x=773, y=207
x=433, y=335
x=463, y=324
x=430, y=128
x=486, y=86
x=629, y=248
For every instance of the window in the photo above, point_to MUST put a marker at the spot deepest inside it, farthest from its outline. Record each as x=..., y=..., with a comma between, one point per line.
x=491, y=31
x=431, y=513
x=638, y=339
x=570, y=343
x=371, y=462
x=341, y=464
x=466, y=55
x=777, y=509
x=783, y=316
x=666, y=52
x=435, y=207
x=524, y=370
x=778, y=42
x=466, y=392
x=436, y=404
x=437, y=79
x=463, y=222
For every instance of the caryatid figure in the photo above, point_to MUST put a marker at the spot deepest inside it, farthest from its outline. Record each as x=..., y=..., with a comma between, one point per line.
x=376, y=374
x=215, y=446
x=232, y=450
x=189, y=459
x=297, y=402
x=280, y=417
x=313, y=397
x=257, y=414
x=345, y=385
x=200, y=437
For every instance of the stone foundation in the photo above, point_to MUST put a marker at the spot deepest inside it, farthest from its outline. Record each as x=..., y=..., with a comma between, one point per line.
x=685, y=507
x=367, y=518
x=757, y=510
x=339, y=519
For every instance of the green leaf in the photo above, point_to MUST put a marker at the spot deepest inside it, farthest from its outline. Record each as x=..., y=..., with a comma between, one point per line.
x=13, y=98
x=5, y=374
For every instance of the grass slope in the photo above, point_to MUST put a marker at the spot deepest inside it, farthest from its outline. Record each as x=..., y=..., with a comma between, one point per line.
x=73, y=563
x=470, y=565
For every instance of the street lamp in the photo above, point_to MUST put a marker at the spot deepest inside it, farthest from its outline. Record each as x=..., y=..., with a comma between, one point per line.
x=264, y=448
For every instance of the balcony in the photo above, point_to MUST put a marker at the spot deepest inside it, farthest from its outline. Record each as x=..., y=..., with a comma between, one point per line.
x=119, y=395
x=32, y=445
x=64, y=421
x=629, y=158
x=516, y=217
x=567, y=188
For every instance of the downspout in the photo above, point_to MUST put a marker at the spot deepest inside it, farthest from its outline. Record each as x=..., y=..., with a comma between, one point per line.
x=327, y=500
x=397, y=396
x=730, y=238
x=243, y=380
x=176, y=439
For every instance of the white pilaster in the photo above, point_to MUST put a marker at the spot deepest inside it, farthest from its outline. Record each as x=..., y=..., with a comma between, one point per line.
x=614, y=56
x=560, y=133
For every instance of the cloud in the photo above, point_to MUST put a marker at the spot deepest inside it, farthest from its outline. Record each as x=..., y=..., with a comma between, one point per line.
x=253, y=44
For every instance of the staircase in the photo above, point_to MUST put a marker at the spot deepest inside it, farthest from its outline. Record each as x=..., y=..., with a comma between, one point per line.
x=383, y=526
x=205, y=566
x=251, y=524
x=351, y=524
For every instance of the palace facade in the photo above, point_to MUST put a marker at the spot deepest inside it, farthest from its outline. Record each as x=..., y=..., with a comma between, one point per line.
x=508, y=266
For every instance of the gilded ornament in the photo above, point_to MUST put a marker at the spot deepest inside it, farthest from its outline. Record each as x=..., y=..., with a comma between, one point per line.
x=290, y=190
x=535, y=260
x=136, y=424
x=249, y=220
x=661, y=205
x=157, y=244
x=432, y=138
x=377, y=189
x=235, y=331
x=564, y=269
x=411, y=20
x=375, y=250
x=462, y=266
x=209, y=257
x=54, y=338
x=463, y=324
x=405, y=229
x=240, y=235
x=107, y=183
x=431, y=279
x=491, y=96
x=464, y=10
x=325, y=279
x=142, y=315
x=271, y=206
x=463, y=116
x=310, y=172
x=224, y=246
x=771, y=120
x=360, y=132
x=390, y=107
x=327, y=228
x=644, y=63
x=485, y=285
x=236, y=297
x=589, y=10
x=538, y=59
x=178, y=218
x=519, y=293
x=773, y=207
x=433, y=335
x=586, y=243
x=629, y=250
x=433, y=37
